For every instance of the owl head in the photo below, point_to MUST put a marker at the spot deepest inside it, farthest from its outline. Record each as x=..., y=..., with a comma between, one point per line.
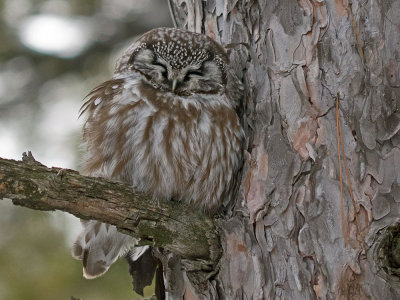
x=177, y=61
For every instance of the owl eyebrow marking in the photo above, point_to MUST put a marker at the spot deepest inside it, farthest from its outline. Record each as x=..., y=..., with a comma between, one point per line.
x=180, y=54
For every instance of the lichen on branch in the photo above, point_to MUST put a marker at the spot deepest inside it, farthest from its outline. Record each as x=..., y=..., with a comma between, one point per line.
x=167, y=224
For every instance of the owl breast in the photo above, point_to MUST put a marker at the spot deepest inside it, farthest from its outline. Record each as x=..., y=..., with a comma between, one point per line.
x=182, y=148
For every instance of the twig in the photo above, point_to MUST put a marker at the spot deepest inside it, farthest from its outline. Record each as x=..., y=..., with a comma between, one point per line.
x=340, y=170
x=350, y=188
x=356, y=32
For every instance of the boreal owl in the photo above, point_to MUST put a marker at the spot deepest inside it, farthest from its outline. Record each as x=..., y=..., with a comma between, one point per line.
x=165, y=124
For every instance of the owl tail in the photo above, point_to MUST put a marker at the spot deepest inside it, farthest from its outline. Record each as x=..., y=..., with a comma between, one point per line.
x=99, y=245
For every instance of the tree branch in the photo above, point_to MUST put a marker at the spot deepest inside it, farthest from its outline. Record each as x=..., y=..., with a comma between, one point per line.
x=167, y=224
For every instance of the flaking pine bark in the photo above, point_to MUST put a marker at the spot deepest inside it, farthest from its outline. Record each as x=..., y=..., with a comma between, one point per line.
x=286, y=237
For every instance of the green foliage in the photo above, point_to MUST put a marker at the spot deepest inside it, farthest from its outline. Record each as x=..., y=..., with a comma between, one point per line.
x=36, y=263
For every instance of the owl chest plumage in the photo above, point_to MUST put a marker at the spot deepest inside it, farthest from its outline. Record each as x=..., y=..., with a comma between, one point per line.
x=184, y=148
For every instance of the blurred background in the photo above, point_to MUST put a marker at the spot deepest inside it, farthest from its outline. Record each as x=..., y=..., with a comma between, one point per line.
x=52, y=53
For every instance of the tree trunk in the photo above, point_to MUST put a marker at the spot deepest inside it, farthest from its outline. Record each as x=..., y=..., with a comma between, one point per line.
x=286, y=237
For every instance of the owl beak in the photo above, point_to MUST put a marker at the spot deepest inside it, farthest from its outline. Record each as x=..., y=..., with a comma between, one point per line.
x=174, y=82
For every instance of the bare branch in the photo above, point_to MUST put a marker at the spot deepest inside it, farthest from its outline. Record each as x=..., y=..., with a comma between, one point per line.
x=167, y=224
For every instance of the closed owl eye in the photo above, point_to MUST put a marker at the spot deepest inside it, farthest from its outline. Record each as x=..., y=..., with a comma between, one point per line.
x=161, y=67
x=192, y=72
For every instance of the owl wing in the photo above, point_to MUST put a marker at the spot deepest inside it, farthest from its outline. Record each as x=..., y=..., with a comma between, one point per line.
x=99, y=245
x=104, y=92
